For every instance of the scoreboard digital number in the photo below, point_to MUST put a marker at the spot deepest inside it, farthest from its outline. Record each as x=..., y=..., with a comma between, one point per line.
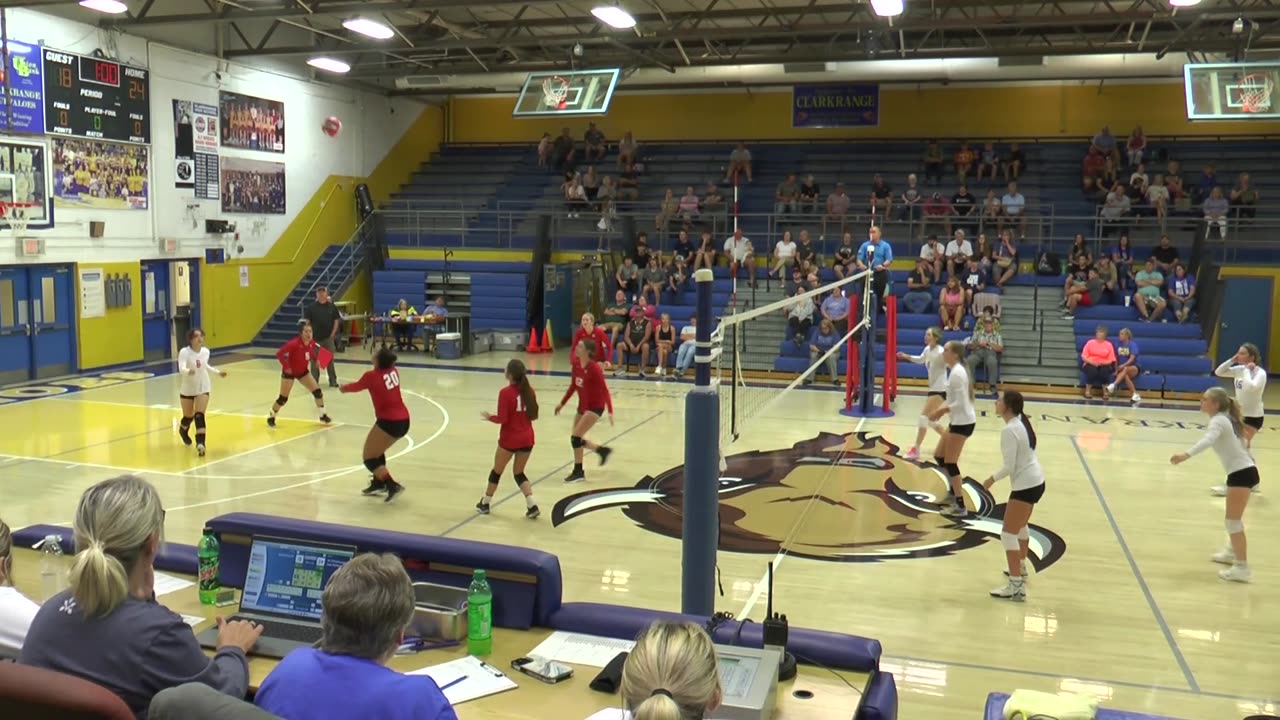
x=96, y=98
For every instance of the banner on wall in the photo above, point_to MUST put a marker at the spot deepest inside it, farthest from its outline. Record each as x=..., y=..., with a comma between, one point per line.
x=101, y=175
x=207, y=181
x=22, y=96
x=251, y=123
x=204, y=127
x=252, y=186
x=24, y=178
x=184, y=145
x=835, y=105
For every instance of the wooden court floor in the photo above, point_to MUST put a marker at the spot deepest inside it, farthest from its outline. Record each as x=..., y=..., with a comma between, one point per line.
x=1126, y=604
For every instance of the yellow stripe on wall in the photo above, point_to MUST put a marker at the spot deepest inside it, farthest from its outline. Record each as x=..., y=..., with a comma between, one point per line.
x=116, y=337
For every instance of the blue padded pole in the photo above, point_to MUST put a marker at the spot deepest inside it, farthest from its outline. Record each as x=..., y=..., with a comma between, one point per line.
x=867, y=390
x=701, y=469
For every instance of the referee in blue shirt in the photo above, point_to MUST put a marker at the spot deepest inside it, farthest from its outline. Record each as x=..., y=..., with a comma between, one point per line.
x=877, y=255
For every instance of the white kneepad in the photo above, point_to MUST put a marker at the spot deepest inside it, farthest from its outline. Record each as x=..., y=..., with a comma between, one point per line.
x=1009, y=540
x=1234, y=526
x=1024, y=533
x=922, y=421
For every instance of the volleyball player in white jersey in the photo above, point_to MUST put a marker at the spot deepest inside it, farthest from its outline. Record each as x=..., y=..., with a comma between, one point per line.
x=1022, y=467
x=959, y=405
x=931, y=358
x=1225, y=434
x=194, y=369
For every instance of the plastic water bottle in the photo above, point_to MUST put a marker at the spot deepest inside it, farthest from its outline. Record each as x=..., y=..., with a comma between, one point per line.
x=207, y=562
x=52, y=571
x=479, y=616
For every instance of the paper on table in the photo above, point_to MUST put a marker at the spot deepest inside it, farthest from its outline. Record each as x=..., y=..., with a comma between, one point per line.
x=577, y=649
x=192, y=620
x=166, y=584
x=478, y=679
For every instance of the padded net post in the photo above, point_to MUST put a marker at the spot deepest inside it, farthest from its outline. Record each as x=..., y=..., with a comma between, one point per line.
x=862, y=384
x=701, y=519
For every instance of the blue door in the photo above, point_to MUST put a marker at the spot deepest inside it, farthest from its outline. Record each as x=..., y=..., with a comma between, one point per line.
x=1246, y=315
x=157, y=327
x=15, y=328
x=52, y=321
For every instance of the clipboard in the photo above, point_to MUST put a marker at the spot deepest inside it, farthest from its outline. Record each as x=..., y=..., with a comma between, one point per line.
x=467, y=678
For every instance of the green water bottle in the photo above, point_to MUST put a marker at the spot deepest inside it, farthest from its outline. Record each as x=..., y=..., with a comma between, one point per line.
x=207, y=562
x=479, y=616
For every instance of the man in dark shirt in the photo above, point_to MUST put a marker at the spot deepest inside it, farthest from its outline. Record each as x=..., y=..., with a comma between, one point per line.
x=325, y=320
x=562, y=151
x=964, y=205
x=595, y=145
x=1166, y=256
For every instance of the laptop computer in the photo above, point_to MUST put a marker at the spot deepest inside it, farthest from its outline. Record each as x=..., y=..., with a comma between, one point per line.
x=282, y=589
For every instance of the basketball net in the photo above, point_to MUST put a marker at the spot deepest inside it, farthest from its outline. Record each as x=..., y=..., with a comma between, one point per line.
x=555, y=92
x=1255, y=93
x=15, y=214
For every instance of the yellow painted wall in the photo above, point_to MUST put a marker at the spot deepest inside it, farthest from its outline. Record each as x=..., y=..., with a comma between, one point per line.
x=1041, y=111
x=1273, y=350
x=114, y=338
x=415, y=146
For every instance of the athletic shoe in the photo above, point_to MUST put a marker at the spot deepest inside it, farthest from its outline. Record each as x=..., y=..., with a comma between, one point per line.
x=913, y=454
x=271, y=421
x=1015, y=591
x=393, y=489
x=1136, y=398
x=200, y=449
x=334, y=384
x=533, y=513
x=1225, y=556
x=641, y=373
x=576, y=476
x=326, y=419
x=955, y=510
x=1237, y=573
x=375, y=488
x=482, y=508
x=604, y=451
x=1218, y=491
x=185, y=434
x=1111, y=387
x=620, y=373
x=1023, y=571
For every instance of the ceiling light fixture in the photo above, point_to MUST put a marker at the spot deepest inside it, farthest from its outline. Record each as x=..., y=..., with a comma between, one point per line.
x=614, y=16
x=369, y=28
x=329, y=64
x=1184, y=3
x=887, y=8
x=111, y=7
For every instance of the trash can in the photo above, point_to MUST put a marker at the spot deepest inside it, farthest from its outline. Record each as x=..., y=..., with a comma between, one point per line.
x=449, y=346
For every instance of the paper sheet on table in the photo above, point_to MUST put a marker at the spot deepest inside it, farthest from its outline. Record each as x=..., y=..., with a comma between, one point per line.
x=576, y=649
x=481, y=679
x=192, y=620
x=166, y=584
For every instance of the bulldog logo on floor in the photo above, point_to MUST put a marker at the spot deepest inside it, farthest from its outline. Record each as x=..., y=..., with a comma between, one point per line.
x=840, y=498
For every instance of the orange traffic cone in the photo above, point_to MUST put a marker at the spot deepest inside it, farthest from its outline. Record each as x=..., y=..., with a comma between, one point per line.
x=546, y=339
x=533, y=341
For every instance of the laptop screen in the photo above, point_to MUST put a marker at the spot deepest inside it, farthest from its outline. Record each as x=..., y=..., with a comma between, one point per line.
x=287, y=577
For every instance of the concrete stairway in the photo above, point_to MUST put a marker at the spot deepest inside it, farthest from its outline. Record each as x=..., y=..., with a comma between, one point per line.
x=1033, y=354
x=761, y=336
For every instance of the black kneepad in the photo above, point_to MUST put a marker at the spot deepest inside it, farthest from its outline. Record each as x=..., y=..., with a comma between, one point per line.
x=317, y=394
x=282, y=400
x=940, y=461
x=576, y=442
x=199, y=418
x=374, y=463
x=521, y=479
x=953, y=469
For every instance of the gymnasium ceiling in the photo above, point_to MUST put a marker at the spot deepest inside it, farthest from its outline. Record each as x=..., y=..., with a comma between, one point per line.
x=487, y=46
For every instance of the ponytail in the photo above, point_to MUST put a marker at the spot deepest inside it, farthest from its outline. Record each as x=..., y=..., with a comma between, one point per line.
x=657, y=707
x=6, y=555
x=98, y=580
x=113, y=526
x=1236, y=416
x=1031, y=433
x=1014, y=403
x=519, y=376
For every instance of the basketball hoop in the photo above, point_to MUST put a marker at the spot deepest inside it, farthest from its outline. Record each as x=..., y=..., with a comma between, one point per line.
x=1255, y=93
x=555, y=91
x=15, y=214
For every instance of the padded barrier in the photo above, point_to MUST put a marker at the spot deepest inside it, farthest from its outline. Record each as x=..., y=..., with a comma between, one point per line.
x=995, y=711
x=173, y=557
x=879, y=698
x=517, y=604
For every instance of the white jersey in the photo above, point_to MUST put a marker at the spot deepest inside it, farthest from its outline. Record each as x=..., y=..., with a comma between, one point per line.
x=931, y=358
x=194, y=369
x=1249, y=386
x=1021, y=465
x=958, y=399
x=1229, y=448
x=16, y=615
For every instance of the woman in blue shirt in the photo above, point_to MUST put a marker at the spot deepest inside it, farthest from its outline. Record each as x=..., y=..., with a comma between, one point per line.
x=824, y=340
x=1182, y=292
x=1127, y=367
x=1122, y=255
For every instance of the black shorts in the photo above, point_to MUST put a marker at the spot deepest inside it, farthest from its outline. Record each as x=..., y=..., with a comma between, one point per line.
x=395, y=428
x=1245, y=478
x=935, y=393
x=598, y=412
x=1030, y=495
x=193, y=397
x=962, y=430
x=518, y=451
x=286, y=376
x=1254, y=422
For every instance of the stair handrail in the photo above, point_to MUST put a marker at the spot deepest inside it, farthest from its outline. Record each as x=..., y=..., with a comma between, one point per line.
x=1040, y=351
x=350, y=254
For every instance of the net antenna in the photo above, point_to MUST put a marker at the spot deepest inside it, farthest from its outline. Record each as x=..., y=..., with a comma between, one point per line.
x=555, y=92
x=1255, y=93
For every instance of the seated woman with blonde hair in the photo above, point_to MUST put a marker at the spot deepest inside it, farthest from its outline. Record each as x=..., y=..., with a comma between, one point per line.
x=672, y=674
x=16, y=611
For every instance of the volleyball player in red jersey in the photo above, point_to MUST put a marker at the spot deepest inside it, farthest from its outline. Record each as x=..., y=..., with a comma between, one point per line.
x=391, y=424
x=588, y=330
x=593, y=400
x=295, y=363
x=517, y=409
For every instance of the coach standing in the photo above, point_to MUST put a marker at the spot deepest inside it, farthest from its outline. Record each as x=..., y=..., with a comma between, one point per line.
x=877, y=255
x=325, y=320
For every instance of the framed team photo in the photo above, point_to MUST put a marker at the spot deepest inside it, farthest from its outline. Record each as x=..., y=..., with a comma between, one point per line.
x=252, y=186
x=251, y=123
x=99, y=174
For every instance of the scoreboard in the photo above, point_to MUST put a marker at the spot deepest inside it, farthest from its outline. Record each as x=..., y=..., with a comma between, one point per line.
x=96, y=98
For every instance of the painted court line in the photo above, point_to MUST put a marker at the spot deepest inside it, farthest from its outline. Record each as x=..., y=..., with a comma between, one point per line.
x=1133, y=565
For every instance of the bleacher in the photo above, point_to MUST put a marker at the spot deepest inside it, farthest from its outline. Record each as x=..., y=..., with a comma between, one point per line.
x=1174, y=356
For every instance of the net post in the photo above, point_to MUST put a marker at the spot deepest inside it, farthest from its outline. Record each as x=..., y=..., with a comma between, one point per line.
x=867, y=390
x=850, y=357
x=701, y=520
x=890, y=351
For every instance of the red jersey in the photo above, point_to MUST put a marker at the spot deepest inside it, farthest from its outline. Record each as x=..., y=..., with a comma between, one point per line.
x=384, y=390
x=295, y=357
x=601, y=338
x=516, y=428
x=588, y=382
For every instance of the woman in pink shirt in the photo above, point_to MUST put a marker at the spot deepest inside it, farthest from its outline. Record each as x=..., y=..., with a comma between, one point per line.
x=1099, y=357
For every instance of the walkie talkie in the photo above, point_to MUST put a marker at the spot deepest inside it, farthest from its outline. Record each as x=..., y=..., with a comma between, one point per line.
x=775, y=635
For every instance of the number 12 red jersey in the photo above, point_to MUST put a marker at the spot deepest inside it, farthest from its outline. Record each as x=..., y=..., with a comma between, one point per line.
x=588, y=382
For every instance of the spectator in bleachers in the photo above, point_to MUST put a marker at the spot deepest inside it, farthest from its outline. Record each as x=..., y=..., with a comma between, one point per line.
x=784, y=200
x=973, y=280
x=1098, y=360
x=797, y=281
x=1139, y=179
x=823, y=340
x=690, y=206
x=935, y=255
x=1005, y=262
x=667, y=209
x=594, y=144
x=739, y=253
x=1122, y=256
x=675, y=272
x=1087, y=295
x=937, y=211
x=575, y=197
x=713, y=201
x=807, y=254
x=846, y=257
x=837, y=208
x=1110, y=173
x=959, y=250
x=1105, y=144
x=628, y=150
x=664, y=340
x=605, y=198
x=1173, y=181
x=910, y=199
x=933, y=163
x=641, y=252
x=1115, y=210
x=628, y=277
x=1148, y=300
x=563, y=152
x=642, y=307
x=810, y=194
x=1244, y=198
x=951, y=304
x=784, y=255
x=683, y=249
x=1128, y=367
x=881, y=202
x=984, y=253
x=1137, y=146
x=1093, y=166
x=739, y=163
x=615, y=316
x=992, y=212
x=919, y=296
x=705, y=255
x=965, y=208
x=1182, y=292
x=628, y=187
x=16, y=610
x=799, y=316
x=635, y=341
x=545, y=146
x=402, y=316
x=988, y=162
x=1014, y=163
x=984, y=348
x=1208, y=181
x=591, y=185
x=835, y=307
x=654, y=278
x=687, y=349
x=1079, y=250
x=1215, y=213
x=1158, y=199
x=1165, y=255
x=1109, y=276
x=963, y=162
x=1093, y=192
x=1077, y=277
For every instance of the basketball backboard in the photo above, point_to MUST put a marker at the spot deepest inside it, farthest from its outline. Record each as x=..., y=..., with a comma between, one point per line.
x=566, y=92
x=1232, y=91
